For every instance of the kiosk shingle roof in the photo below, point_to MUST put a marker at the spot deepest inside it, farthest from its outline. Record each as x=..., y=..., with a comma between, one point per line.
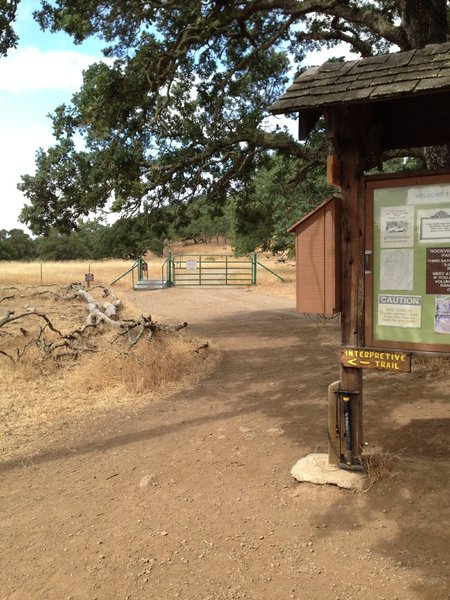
x=366, y=80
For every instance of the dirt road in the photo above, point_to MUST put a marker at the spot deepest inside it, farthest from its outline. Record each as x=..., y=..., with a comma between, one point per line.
x=192, y=498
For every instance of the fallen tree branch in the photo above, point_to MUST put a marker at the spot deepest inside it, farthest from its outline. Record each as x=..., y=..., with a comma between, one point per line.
x=7, y=355
x=7, y=298
x=100, y=312
x=8, y=318
x=202, y=347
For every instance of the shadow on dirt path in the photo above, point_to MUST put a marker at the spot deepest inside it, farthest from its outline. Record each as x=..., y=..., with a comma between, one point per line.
x=192, y=497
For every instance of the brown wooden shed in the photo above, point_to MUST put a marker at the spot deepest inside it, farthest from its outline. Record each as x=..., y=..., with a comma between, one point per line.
x=317, y=251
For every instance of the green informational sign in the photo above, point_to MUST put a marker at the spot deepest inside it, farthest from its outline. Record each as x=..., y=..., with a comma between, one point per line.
x=411, y=263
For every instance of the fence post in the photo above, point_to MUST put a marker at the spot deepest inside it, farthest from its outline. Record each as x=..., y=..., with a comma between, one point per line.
x=226, y=269
x=139, y=268
x=169, y=269
x=254, y=264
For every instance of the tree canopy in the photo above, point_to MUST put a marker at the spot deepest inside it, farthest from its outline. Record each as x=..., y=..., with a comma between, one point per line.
x=16, y=245
x=179, y=108
x=8, y=37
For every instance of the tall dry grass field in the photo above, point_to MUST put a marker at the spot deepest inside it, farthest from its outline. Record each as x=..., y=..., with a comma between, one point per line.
x=35, y=272
x=106, y=271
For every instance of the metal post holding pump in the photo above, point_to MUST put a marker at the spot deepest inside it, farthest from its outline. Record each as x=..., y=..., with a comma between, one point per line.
x=340, y=436
x=348, y=454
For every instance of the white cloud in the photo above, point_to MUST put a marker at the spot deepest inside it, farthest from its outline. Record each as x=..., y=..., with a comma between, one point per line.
x=318, y=57
x=30, y=69
x=17, y=154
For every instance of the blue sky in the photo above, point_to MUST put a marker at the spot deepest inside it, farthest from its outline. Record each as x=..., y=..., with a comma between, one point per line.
x=43, y=72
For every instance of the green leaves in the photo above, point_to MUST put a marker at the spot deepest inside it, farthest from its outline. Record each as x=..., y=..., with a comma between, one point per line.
x=16, y=245
x=67, y=184
x=276, y=201
x=179, y=110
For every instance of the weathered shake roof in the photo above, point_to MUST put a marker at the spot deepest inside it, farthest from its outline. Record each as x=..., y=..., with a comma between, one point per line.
x=382, y=77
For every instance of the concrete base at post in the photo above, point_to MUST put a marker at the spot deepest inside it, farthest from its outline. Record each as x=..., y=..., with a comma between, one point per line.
x=316, y=468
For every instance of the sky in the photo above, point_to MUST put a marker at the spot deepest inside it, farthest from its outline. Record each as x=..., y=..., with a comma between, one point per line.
x=43, y=72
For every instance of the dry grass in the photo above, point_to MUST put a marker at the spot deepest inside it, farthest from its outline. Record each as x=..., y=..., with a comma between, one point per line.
x=268, y=283
x=43, y=402
x=430, y=366
x=106, y=271
x=147, y=368
x=39, y=407
x=379, y=466
x=35, y=273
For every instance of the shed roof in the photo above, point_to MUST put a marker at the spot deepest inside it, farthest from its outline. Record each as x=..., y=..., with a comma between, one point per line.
x=422, y=71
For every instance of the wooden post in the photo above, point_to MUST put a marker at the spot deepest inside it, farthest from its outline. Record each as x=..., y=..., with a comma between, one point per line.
x=352, y=291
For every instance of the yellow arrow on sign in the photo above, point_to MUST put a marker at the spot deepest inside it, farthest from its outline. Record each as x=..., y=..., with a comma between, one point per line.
x=353, y=362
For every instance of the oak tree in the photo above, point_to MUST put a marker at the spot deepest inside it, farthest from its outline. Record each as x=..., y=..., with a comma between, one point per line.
x=178, y=108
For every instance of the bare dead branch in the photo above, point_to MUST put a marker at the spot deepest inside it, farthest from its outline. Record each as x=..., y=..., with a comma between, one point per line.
x=8, y=356
x=202, y=347
x=64, y=344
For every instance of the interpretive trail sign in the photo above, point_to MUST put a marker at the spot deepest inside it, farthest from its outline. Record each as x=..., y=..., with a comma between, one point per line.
x=408, y=262
x=363, y=358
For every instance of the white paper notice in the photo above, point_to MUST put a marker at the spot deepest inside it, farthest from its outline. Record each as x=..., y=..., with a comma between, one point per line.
x=397, y=227
x=397, y=269
x=434, y=225
x=191, y=265
x=399, y=311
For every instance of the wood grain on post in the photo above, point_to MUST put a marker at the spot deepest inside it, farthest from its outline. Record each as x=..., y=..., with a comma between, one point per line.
x=352, y=282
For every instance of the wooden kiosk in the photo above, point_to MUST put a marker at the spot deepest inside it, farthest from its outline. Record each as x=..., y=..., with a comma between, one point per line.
x=392, y=295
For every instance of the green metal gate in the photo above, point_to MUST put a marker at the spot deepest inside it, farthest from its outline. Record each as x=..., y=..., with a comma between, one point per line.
x=197, y=269
x=212, y=269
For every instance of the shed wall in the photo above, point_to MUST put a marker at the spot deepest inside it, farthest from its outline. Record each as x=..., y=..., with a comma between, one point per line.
x=317, y=252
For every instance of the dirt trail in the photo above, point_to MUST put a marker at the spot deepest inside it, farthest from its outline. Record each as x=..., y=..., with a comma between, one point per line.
x=192, y=498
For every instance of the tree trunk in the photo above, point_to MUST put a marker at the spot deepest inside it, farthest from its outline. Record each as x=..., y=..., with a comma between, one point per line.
x=437, y=157
x=424, y=22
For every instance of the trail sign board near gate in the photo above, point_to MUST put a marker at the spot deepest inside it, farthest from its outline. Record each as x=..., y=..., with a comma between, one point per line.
x=369, y=358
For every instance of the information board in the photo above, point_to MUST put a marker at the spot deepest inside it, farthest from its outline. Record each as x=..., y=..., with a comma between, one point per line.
x=408, y=276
